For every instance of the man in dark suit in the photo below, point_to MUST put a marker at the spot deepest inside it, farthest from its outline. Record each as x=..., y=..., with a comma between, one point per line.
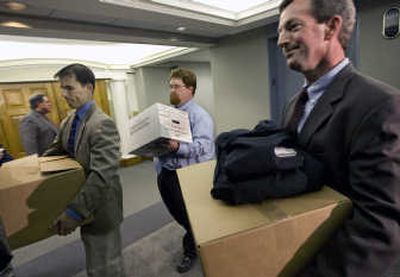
x=91, y=137
x=6, y=269
x=351, y=123
x=36, y=130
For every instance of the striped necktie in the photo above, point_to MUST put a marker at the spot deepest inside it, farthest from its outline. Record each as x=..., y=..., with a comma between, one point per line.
x=71, y=138
x=298, y=111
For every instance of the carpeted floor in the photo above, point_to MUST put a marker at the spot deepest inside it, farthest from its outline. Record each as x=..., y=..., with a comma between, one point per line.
x=156, y=254
x=152, y=247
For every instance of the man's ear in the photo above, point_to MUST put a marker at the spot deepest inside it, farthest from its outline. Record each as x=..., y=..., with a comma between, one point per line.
x=90, y=87
x=191, y=90
x=333, y=27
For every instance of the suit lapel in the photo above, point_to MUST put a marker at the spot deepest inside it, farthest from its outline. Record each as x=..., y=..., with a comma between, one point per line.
x=325, y=106
x=290, y=108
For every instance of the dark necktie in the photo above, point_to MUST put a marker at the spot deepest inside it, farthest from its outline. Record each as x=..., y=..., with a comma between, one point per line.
x=298, y=111
x=72, y=133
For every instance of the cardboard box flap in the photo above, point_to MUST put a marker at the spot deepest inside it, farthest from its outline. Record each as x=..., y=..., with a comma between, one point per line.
x=28, y=161
x=57, y=163
x=19, y=171
x=205, y=211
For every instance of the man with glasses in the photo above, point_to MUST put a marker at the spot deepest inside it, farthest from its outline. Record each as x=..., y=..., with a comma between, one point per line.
x=182, y=86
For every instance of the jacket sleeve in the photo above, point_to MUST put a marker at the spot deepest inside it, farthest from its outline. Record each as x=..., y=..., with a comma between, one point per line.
x=29, y=132
x=368, y=243
x=103, y=168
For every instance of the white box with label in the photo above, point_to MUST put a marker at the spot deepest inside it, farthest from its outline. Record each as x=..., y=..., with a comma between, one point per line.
x=150, y=129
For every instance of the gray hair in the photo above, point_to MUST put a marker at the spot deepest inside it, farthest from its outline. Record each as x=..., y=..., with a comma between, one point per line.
x=323, y=10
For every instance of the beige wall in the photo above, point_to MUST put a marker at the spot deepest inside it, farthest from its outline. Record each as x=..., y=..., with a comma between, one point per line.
x=152, y=84
x=239, y=67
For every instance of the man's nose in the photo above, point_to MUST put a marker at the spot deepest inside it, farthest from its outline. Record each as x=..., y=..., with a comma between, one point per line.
x=283, y=39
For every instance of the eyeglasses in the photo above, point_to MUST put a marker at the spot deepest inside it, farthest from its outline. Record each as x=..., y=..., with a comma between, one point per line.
x=174, y=86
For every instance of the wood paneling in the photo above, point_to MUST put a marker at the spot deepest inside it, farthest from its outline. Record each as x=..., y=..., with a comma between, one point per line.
x=14, y=104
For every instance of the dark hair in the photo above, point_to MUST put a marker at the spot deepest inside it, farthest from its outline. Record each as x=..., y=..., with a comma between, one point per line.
x=35, y=99
x=187, y=76
x=83, y=74
x=323, y=10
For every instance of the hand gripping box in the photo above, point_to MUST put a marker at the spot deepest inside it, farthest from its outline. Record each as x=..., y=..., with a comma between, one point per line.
x=33, y=193
x=274, y=238
x=150, y=129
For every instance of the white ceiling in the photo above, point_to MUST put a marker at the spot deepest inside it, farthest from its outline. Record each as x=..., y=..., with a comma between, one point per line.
x=119, y=55
x=133, y=21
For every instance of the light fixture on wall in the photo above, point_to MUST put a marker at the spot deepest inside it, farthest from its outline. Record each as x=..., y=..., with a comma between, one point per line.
x=15, y=24
x=391, y=22
x=15, y=6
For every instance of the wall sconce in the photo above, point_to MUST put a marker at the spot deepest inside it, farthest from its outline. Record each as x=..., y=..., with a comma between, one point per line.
x=391, y=22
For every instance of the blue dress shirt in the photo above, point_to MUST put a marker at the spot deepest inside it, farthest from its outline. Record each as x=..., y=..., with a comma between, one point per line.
x=201, y=149
x=316, y=89
x=79, y=115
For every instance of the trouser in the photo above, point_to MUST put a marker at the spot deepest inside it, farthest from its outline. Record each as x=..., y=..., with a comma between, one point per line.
x=103, y=253
x=171, y=194
x=5, y=253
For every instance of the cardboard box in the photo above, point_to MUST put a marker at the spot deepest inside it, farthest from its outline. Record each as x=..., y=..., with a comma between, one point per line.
x=274, y=238
x=149, y=129
x=33, y=193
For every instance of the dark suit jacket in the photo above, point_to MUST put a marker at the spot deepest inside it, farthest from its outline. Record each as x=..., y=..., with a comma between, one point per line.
x=37, y=133
x=355, y=130
x=97, y=150
x=6, y=156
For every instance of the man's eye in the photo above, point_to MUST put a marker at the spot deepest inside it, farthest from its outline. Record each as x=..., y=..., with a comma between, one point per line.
x=294, y=27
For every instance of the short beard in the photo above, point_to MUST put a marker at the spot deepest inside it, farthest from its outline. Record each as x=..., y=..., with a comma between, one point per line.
x=174, y=100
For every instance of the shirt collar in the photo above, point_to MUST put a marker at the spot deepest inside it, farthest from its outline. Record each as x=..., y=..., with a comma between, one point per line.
x=82, y=110
x=323, y=82
x=185, y=105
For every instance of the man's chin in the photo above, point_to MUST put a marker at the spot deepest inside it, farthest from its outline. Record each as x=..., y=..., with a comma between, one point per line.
x=293, y=65
x=174, y=102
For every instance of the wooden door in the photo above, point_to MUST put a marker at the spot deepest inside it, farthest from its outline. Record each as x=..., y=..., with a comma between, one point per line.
x=14, y=104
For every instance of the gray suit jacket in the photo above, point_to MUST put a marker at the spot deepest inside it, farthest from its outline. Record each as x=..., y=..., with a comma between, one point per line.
x=97, y=150
x=355, y=130
x=37, y=133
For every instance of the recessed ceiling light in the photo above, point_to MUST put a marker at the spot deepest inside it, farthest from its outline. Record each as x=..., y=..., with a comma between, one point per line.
x=181, y=28
x=15, y=24
x=15, y=6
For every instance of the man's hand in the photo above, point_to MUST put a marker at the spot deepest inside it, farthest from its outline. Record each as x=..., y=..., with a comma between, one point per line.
x=65, y=225
x=173, y=145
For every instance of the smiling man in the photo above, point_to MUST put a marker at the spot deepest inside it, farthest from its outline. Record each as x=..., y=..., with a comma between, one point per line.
x=91, y=137
x=352, y=124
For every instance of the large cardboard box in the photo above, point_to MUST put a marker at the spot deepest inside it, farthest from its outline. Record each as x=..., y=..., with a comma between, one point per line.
x=273, y=238
x=33, y=192
x=149, y=129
